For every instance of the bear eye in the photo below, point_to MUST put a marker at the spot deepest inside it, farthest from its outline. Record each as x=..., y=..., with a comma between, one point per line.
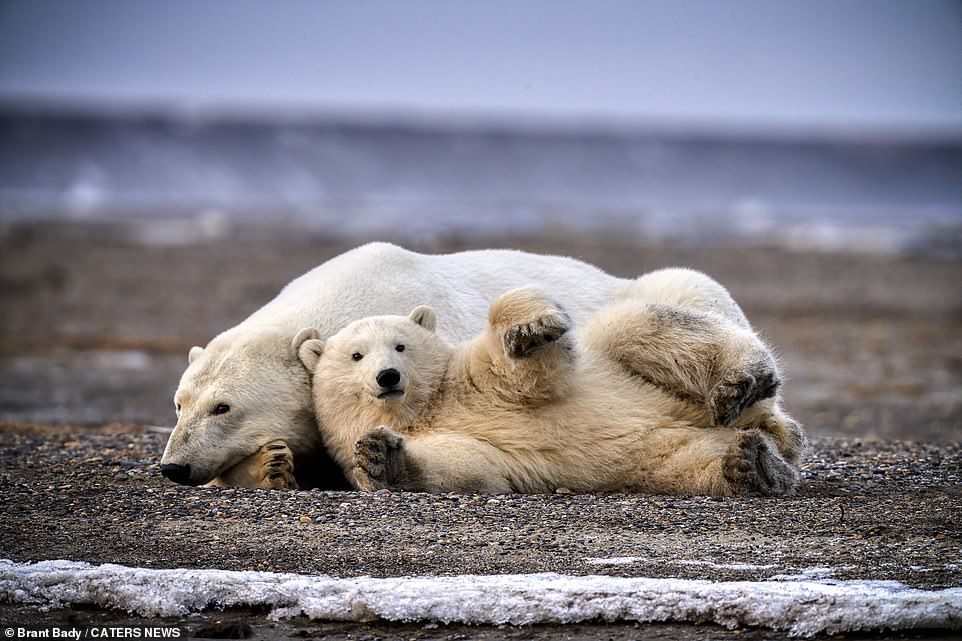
x=400, y=347
x=177, y=405
x=357, y=356
x=222, y=408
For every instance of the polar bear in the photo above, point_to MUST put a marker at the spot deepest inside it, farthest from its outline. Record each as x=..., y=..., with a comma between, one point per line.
x=528, y=407
x=244, y=411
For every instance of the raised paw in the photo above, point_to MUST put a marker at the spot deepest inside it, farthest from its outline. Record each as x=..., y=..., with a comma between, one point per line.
x=742, y=389
x=277, y=467
x=378, y=459
x=524, y=338
x=753, y=466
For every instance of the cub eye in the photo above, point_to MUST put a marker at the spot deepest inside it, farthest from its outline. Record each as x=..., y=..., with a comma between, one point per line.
x=177, y=405
x=357, y=356
x=400, y=347
x=223, y=408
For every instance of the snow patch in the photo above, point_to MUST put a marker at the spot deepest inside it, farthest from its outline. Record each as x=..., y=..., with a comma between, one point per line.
x=817, y=573
x=629, y=560
x=801, y=608
x=616, y=560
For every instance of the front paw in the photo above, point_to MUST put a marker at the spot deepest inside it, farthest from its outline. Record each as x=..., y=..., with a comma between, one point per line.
x=521, y=340
x=741, y=389
x=277, y=467
x=378, y=459
x=753, y=466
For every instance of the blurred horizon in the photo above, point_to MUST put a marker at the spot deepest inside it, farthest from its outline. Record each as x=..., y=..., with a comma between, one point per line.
x=829, y=67
x=811, y=125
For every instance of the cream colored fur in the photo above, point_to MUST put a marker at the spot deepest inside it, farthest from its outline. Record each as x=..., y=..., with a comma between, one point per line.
x=527, y=407
x=253, y=367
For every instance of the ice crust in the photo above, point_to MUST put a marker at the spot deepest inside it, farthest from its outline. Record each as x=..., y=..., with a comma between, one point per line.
x=631, y=560
x=802, y=608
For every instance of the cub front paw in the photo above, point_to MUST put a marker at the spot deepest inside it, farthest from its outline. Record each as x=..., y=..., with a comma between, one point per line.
x=524, y=338
x=277, y=467
x=753, y=466
x=378, y=459
x=741, y=389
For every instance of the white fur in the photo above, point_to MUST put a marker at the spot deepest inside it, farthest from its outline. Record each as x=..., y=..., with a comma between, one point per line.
x=254, y=366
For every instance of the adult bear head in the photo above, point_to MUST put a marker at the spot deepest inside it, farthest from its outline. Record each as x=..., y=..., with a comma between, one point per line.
x=245, y=389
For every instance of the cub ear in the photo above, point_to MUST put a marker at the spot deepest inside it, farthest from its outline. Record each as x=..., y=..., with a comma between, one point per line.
x=194, y=352
x=425, y=317
x=305, y=334
x=310, y=352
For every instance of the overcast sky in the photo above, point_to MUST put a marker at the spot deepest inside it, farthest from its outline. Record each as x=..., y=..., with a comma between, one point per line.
x=878, y=63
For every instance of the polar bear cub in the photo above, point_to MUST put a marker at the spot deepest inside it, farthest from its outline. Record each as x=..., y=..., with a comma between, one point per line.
x=528, y=406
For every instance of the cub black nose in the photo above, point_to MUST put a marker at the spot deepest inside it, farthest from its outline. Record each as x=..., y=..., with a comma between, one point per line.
x=388, y=377
x=176, y=473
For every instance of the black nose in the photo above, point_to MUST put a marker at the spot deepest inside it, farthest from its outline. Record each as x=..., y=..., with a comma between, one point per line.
x=388, y=377
x=177, y=473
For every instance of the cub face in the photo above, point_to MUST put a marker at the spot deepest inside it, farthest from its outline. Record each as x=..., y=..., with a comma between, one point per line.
x=384, y=367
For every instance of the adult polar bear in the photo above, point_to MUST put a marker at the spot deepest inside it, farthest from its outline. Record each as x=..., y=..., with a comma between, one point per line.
x=244, y=408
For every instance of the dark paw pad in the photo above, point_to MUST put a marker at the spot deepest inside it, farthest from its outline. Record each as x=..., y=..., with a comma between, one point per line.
x=753, y=466
x=522, y=340
x=741, y=390
x=378, y=458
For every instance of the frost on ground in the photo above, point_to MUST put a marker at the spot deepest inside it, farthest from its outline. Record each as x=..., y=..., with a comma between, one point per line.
x=631, y=560
x=803, y=608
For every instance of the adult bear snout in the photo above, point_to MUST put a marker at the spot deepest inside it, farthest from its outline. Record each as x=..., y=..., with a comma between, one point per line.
x=387, y=378
x=177, y=473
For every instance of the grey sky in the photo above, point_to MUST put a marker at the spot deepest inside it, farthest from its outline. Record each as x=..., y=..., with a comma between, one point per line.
x=833, y=63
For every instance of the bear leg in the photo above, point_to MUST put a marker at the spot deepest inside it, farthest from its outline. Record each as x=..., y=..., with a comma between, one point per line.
x=695, y=356
x=527, y=321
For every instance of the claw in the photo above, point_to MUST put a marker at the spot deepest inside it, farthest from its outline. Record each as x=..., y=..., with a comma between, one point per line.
x=277, y=463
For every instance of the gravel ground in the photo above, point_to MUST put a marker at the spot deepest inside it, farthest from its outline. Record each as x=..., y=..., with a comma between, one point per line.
x=867, y=510
x=95, y=330
x=870, y=510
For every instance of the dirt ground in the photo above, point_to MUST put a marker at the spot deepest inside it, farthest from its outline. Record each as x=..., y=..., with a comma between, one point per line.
x=94, y=332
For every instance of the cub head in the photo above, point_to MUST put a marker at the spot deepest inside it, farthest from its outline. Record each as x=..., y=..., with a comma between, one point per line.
x=382, y=369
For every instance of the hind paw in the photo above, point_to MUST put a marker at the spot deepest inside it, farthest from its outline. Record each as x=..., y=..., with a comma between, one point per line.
x=753, y=466
x=740, y=390
x=277, y=466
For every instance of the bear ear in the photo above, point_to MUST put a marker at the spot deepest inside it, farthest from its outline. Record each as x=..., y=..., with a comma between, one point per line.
x=194, y=352
x=425, y=317
x=306, y=334
x=310, y=352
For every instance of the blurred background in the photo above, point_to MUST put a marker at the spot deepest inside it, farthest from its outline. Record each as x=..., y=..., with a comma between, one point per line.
x=166, y=167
